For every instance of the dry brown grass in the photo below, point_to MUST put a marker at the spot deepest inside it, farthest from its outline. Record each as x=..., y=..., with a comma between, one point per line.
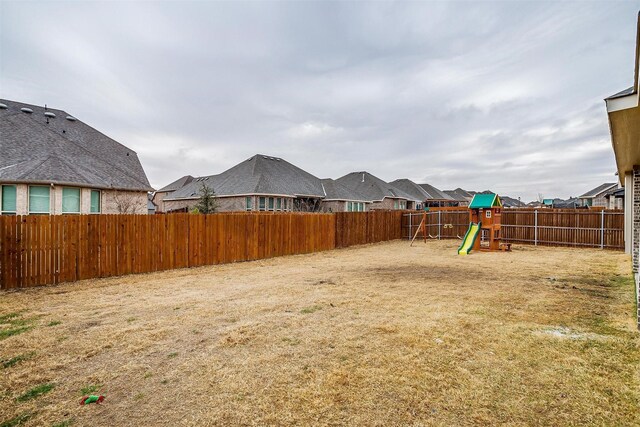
x=376, y=335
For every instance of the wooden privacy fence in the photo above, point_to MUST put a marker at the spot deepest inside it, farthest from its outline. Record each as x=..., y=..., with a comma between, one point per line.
x=39, y=250
x=551, y=227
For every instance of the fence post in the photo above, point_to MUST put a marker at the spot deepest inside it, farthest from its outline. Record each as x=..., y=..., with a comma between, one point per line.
x=535, y=227
x=602, y=229
x=410, y=229
x=439, y=223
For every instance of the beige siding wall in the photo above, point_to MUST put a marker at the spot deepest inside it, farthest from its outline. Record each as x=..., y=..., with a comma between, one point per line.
x=111, y=201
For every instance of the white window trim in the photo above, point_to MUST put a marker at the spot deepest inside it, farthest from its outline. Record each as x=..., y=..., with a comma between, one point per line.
x=2, y=212
x=62, y=201
x=48, y=212
x=99, y=201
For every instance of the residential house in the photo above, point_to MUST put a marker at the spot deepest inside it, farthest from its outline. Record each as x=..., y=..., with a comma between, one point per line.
x=260, y=183
x=596, y=197
x=463, y=197
x=424, y=194
x=379, y=193
x=615, y=198
x=339, y=198
x=623, y=110
x=510, y=202
x=159, y=195
x=53, y=163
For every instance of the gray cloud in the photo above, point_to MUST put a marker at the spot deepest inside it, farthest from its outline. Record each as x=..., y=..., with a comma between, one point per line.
x=506, y=96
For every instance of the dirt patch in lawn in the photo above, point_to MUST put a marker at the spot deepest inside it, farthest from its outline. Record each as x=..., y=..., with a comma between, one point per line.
x=383, y=334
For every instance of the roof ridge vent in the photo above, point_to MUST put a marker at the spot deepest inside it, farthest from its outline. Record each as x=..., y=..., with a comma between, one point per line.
x=26, y=110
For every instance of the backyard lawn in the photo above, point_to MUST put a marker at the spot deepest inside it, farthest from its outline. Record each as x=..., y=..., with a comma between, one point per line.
x=382, y=334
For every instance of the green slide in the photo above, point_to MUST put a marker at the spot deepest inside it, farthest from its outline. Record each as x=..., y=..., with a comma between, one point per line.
x=469, y=238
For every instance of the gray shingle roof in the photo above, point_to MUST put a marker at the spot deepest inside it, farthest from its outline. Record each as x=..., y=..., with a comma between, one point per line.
x=63, y=151
x=459, y=194
x=434, y=193
x=599, y=189
x=372, y=187
x=178, y=183
x=259, y=174
x=510, y=202
x=420, y=192
x=336, y=191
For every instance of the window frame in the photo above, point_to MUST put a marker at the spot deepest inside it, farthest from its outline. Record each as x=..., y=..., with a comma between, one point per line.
x=271, y=204
x=91, y=192
x=262, y=204
x=48, y=212
x=15, y=201
x=79, y=201
x=279, y=204
x=248, y=203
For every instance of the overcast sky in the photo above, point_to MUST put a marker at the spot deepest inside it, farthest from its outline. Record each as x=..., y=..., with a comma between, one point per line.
x=504, y=96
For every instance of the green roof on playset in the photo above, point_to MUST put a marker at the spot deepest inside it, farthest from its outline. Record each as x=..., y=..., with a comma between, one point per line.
x=485, y=201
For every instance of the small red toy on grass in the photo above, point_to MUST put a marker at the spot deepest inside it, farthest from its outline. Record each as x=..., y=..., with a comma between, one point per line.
x=91, y=399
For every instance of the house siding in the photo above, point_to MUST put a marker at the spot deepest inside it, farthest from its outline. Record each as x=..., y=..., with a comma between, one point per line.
x=111, y=202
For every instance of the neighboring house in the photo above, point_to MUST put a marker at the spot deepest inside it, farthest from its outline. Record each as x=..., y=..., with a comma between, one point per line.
x=623, y=110
x=510, y=202
x=339, y=198
x=463, y=197
x=151, y=207
x=615, y=198
x=381, y=194
x=260, y=183
x=596, y=197
x=424, y=194
x=159, y=195
x=53, y=163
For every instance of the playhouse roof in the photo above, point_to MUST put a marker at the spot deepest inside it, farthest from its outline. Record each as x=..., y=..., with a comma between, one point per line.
x=485, y=201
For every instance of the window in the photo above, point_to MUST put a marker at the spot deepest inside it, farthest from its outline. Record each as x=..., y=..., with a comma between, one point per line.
x=349, y=207
x=261, y=204
x=248, y=203
x=395, y=204
x=95, y=201
x=279, y=204
x=8, y=200
x=361, y=207
x=270, y=203
x=70, y=200
x=38, y=199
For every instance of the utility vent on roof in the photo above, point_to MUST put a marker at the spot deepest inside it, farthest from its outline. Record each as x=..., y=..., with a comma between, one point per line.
x=49, y=114
x=71, y=118
x=265, y=157
x=3, y=106
x=26, y=110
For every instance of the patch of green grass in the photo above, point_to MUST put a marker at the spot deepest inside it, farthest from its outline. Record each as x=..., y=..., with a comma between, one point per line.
x=54, y=323
x=35, y=392
x=131, y=319
x=17, y=359
x=16, y=421
x=65, y=423
x=312, y=309
x=139, y=396
x=8, y=318
x=6, y=333
x=148, y=375
x=172, y=355
x=90, y=389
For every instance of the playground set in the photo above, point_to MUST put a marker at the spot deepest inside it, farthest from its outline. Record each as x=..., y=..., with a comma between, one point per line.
x=484, y=233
